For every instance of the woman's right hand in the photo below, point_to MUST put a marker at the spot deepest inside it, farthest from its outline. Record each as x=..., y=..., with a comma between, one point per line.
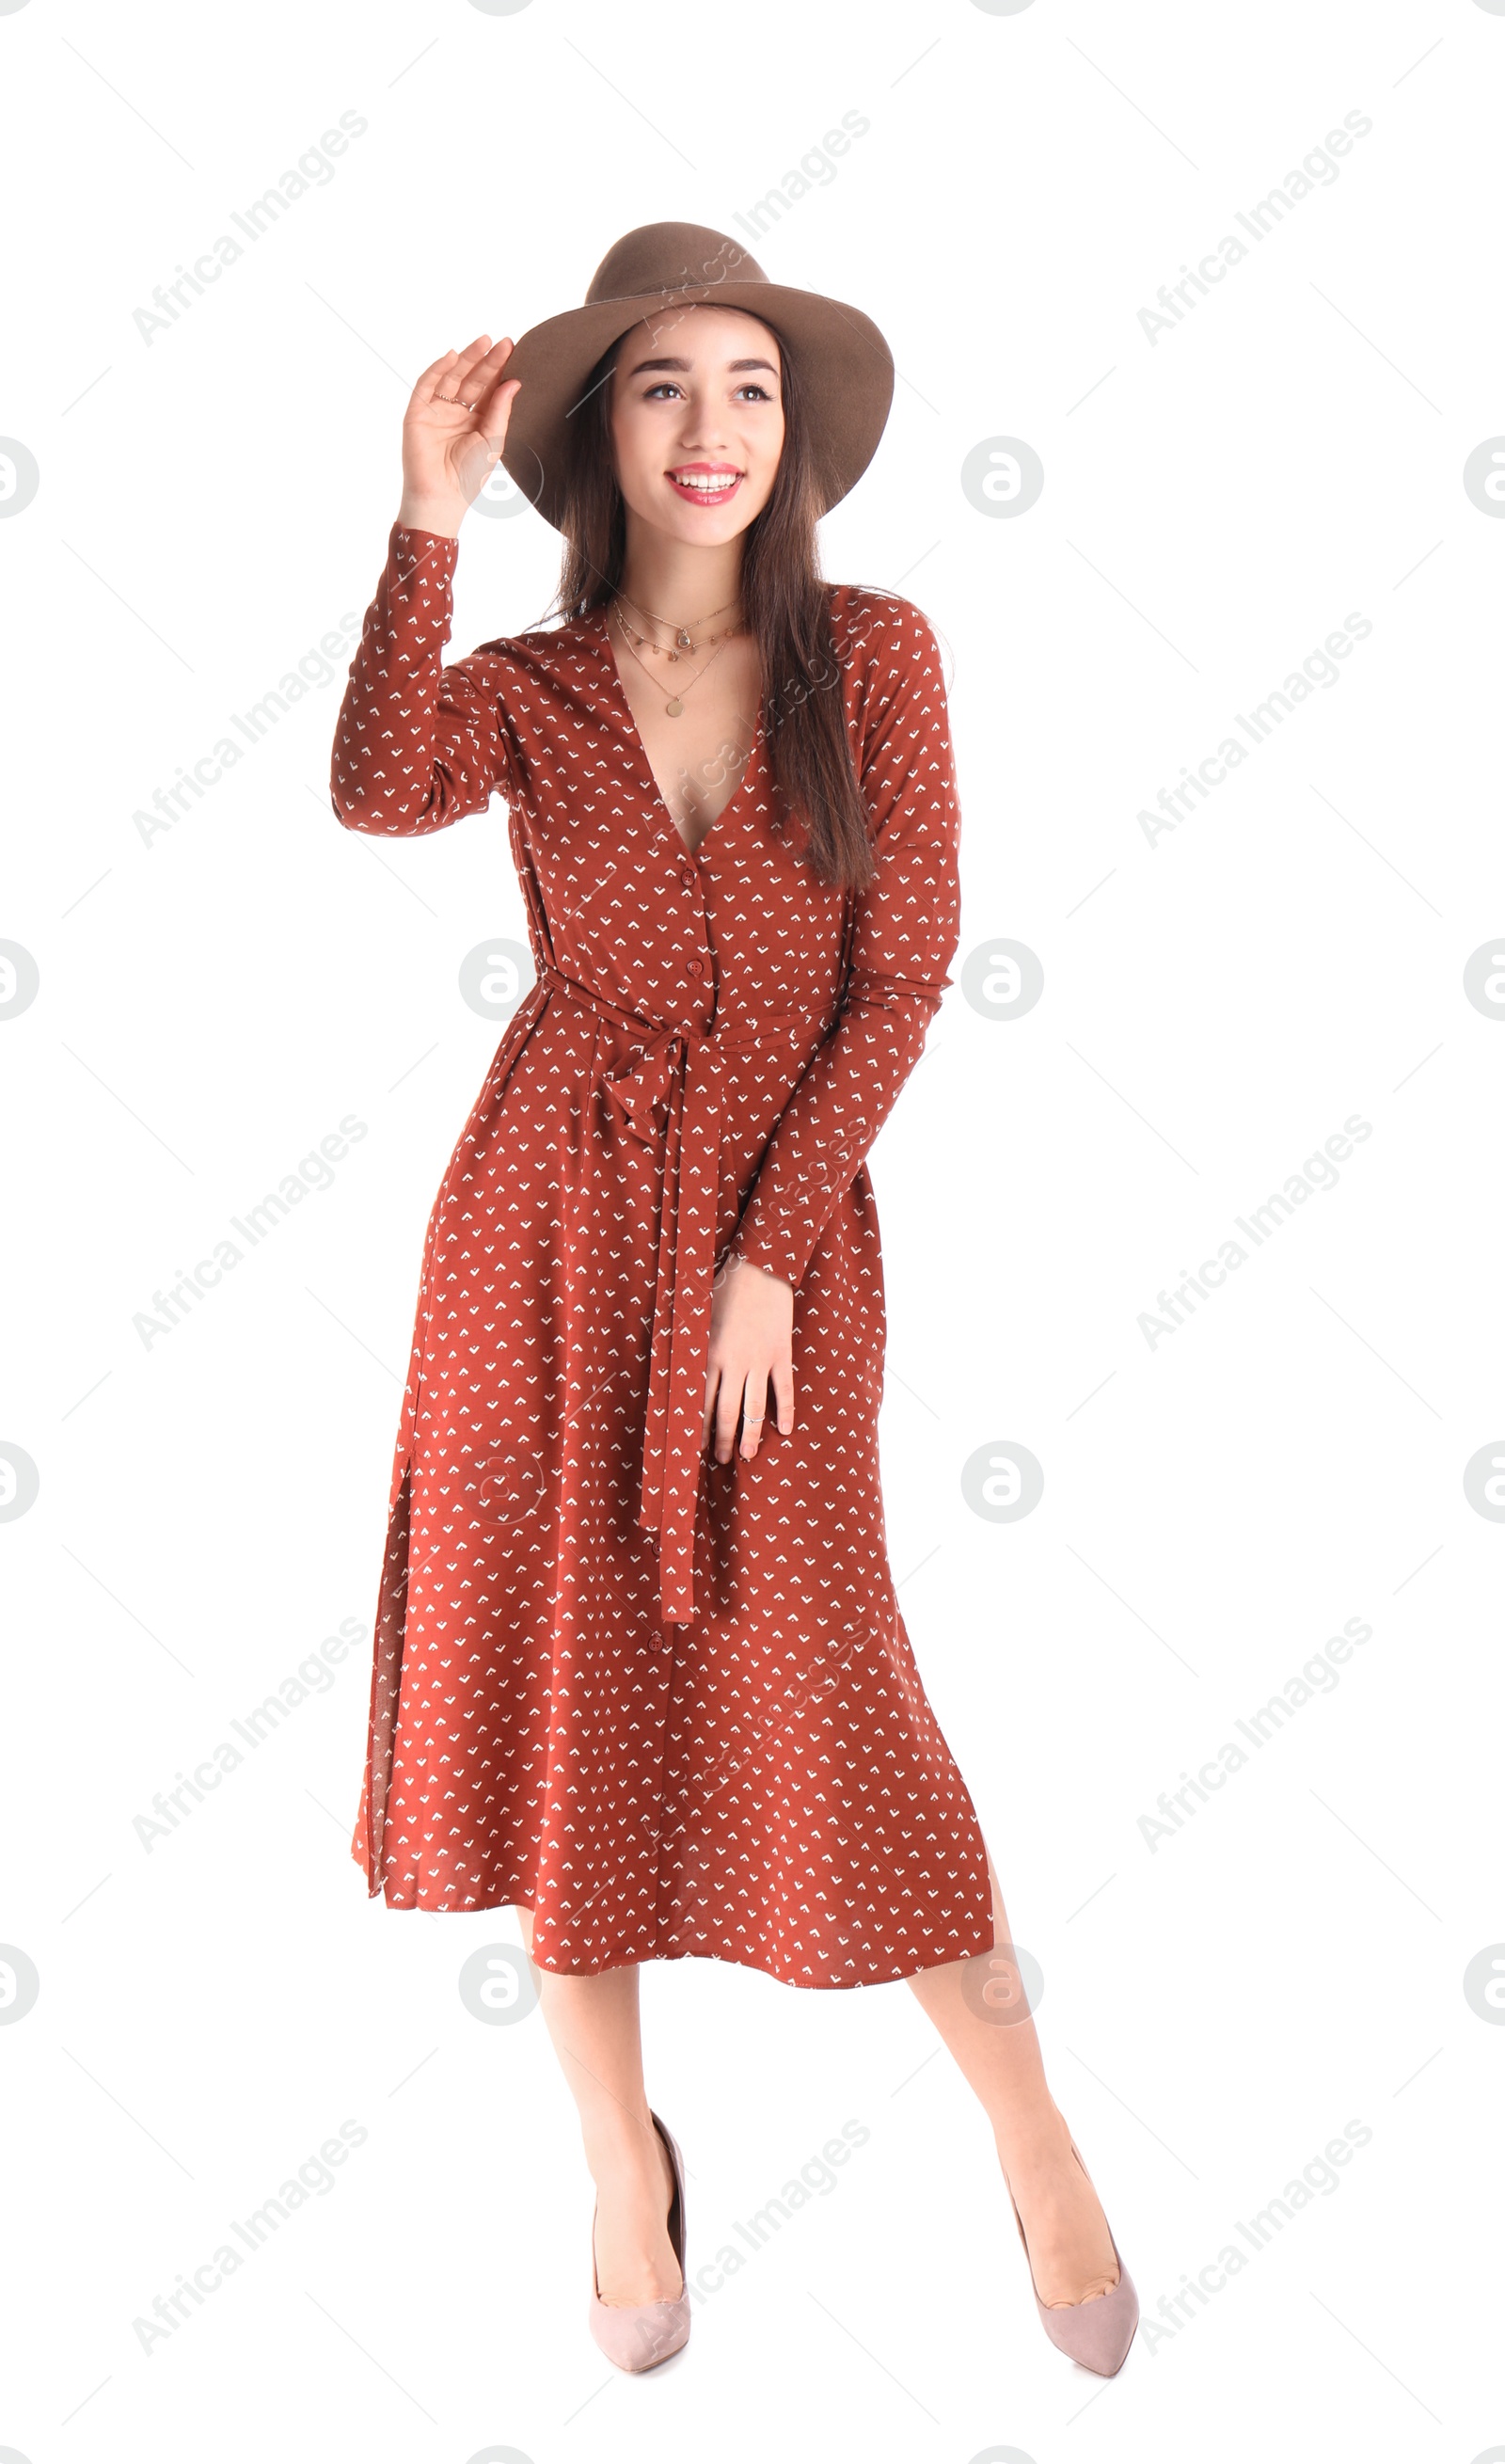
x=454, y=431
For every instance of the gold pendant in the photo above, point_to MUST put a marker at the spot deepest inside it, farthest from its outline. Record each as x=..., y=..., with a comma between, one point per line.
x=672, y=709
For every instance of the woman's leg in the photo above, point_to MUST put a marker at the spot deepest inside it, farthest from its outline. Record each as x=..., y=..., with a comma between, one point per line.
x=593, y=2023
x=1071, y=2252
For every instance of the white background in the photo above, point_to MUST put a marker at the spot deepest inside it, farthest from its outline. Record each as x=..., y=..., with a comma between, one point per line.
x=1215, y=1005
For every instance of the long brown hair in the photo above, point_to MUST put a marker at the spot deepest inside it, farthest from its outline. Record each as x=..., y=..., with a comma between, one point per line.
x=784, y=606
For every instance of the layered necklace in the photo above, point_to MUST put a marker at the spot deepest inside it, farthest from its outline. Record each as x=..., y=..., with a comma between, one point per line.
x=637, y=642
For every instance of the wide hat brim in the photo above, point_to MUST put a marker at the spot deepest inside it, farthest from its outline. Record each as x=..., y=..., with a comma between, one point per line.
x=845, y=366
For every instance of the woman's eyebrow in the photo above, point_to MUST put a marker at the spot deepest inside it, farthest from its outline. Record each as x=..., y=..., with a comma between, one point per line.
x=681, y=367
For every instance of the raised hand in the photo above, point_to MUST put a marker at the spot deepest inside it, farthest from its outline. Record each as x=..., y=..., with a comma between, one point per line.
x=454, y=431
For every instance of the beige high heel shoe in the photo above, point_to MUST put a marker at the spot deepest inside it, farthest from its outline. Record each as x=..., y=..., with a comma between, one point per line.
x=638, y=2335
x=1097, y=2333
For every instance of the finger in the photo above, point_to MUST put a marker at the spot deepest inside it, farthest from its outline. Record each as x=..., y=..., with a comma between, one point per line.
x=491, y=373
x=728, y=1410
x=477, y=374
x=783, y=1376
x=452, y=382
x=494, y=411
x=467, y=363
x=496, y=359
x=429, y=382
x=755, y=1395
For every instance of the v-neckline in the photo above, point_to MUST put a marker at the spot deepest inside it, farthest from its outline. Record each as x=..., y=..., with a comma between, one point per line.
x=667, y=820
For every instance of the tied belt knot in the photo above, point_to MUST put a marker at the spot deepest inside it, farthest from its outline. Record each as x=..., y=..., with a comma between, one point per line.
x=668, y=1096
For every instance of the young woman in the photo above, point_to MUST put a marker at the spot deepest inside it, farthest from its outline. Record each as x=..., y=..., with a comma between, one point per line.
x=639, y=1667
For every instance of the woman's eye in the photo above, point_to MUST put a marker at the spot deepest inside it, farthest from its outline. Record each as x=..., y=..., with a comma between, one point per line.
x=668, y=385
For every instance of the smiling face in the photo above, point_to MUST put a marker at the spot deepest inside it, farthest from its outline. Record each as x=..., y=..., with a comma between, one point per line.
x=697, y=421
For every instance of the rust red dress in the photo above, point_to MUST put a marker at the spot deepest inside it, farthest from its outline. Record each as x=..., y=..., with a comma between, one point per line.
x=669, y=1705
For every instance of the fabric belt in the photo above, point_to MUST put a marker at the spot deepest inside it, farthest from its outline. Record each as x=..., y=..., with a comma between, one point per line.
x=668, y=1096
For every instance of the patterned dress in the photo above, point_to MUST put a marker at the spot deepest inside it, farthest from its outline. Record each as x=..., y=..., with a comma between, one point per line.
x=666, y=1704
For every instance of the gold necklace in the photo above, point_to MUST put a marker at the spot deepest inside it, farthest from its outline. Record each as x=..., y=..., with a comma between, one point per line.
x=673, y=708
x=681, y=632
x=660, y=650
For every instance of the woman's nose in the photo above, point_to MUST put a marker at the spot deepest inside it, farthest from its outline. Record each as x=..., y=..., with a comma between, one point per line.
x=700, y=424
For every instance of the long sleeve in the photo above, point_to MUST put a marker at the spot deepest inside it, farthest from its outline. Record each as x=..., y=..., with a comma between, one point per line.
x=907, y=928
x=417, y=744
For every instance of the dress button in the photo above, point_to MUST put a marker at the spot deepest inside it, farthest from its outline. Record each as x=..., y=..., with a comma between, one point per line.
x=694, y=967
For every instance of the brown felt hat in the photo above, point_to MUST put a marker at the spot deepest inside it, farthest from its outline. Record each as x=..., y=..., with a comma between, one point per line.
x=846, y=366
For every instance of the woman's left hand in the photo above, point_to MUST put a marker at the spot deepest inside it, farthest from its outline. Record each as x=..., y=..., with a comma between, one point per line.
x=751, y=1322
